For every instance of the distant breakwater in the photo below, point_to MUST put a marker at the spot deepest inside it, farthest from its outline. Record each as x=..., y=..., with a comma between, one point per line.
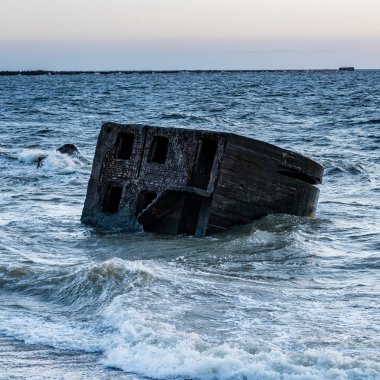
x=50, y=72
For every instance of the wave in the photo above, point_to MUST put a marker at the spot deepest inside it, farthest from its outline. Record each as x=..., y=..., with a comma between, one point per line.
x=134, y=341
x=55, y=331
x=174, y=116
x=87, y=286
x=159, y=350
x=182, y=116
x=351, y=169
x=51, y=160
x=370, y=121
x=133, y=335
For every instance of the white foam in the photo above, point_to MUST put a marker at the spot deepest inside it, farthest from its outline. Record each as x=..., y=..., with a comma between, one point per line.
x=52, y=160
x=154, y=349
x=260, y=237
x=29, y=156
x=133, y=338
x=54, y=331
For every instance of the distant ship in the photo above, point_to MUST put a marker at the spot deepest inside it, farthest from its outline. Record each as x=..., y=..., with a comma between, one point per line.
x=181, y=181
x=346, y=68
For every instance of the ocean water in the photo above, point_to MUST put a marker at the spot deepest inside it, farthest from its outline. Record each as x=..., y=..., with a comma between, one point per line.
x=281, y=298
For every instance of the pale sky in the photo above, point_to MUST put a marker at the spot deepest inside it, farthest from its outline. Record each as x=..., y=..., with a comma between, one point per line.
x=188, y=34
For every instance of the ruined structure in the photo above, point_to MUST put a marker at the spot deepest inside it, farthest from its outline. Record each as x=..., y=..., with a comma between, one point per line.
x=181, y=181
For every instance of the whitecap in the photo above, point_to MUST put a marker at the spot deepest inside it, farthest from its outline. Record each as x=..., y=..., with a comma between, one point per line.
x=29, y=156
x=147, y=347
x=51, y=160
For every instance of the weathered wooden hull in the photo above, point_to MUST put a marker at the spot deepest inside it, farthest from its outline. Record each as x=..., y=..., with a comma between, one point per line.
x=181, y=181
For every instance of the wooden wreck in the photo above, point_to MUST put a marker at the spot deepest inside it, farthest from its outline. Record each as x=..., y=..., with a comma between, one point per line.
x=193, y=182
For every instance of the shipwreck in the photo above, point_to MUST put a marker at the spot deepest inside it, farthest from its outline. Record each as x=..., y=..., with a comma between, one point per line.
x=193, y=182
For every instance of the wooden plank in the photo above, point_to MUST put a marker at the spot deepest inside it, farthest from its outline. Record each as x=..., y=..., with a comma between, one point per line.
x=275, y=158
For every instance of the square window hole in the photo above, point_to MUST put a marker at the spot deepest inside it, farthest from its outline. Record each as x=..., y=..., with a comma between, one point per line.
x=124, y=146
x=159, y=149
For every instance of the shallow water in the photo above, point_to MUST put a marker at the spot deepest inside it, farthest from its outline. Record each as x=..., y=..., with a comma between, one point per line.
x=283, y=297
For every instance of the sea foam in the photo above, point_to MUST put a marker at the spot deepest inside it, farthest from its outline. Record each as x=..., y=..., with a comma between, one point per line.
x=159, y=350
x=51, y=160
x=131, y=337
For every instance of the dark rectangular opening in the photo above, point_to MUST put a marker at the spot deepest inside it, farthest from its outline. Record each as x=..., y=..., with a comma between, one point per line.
x=159, y=149
x=204, y=163
x=112, y=199
x=145, y=199
x=124, y=146
x=190, y=215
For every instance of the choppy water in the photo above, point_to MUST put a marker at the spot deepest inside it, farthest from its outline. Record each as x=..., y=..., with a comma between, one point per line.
x=281, y=298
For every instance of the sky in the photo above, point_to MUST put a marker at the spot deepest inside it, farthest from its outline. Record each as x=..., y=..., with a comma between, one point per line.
x=188, y=34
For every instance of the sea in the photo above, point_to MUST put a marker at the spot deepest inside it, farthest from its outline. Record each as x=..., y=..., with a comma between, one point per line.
x=283, y=297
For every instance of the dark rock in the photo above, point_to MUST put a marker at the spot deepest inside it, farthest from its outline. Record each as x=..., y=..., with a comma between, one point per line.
x=40, y=160
x=69, y=149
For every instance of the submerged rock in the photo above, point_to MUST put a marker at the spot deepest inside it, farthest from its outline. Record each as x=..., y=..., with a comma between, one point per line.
x=69, y=149
x=40, y=160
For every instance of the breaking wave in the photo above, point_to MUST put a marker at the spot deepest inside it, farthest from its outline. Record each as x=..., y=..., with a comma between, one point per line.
x=50, y=160
x=119, y=321
x=161, y=351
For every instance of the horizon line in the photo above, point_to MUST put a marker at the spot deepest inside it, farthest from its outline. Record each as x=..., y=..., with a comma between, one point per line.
x=170, y=71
